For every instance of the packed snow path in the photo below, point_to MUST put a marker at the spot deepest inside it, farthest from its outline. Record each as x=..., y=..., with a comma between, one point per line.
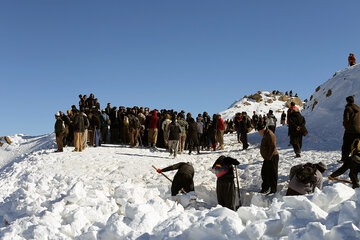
x=112, y=192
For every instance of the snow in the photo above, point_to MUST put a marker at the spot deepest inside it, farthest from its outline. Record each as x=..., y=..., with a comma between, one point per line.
x=112, y=191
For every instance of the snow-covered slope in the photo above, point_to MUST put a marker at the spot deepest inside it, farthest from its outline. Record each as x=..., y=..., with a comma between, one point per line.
x=112, y=192
x=324, y=111
x=268, y=101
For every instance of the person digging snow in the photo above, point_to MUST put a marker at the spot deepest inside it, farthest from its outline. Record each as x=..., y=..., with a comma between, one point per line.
x=183, y=179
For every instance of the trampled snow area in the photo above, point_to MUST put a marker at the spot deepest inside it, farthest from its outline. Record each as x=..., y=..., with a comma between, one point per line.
x=112, y=192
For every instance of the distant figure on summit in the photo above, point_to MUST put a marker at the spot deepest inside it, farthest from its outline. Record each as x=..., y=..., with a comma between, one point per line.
x=351, y=59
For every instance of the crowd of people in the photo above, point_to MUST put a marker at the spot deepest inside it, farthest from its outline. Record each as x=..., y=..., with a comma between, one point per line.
x=87, y=125
x=177, y=132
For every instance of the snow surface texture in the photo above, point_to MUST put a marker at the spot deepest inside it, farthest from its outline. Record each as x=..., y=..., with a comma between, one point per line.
x=112, y=192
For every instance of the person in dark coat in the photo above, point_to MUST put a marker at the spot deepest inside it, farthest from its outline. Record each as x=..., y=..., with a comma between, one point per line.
x=193, y=136
x=79, y=129
x=237, y=126
x=225, y=186
x=245, y=124
x=283, y=118
x=183, y=179
x=351, y=123
x=173, y=136
x=97, y=127
x=296, y=123
x=59, y=132
x=351, y=59
x=269, y=169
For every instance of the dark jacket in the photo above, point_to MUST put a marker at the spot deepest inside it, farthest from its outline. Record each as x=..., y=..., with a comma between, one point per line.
x=79, y=124
x=59, y=126
x=183, y=179
x=192, y=133
x=173, y=131
x=268, y=145
x=296, y=123
x=351, y=119
x=96, y=121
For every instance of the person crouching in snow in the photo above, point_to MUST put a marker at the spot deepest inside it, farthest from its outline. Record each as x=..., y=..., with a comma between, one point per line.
x=269, y=169
x=183, y=179
x=305, y=177
x=225, y=186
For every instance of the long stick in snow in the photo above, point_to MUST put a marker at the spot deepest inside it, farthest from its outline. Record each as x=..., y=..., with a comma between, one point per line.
x=162, y=173
x=238, y=185
x=339, y=179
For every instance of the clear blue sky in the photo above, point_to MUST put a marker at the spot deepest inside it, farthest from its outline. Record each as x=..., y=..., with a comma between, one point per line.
x=193, y=55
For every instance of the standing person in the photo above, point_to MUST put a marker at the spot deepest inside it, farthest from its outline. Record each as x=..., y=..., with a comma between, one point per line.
x=91, y=129
x=105, y=123
x=153, y=130
x=200, y=129
x=207, y=121
x=173, y=136
x=59, y=132
x=351, y=123
x=237, y=123
x=85, y=132
x=164, y=125
x=283, y=118
x=79, y=128
x=296, y=123
x=220, y=128
x=255, y=120
x=184, y=128
x=183, y=179
x=81, y=102
x=134, y=128
x=70, y=136
x=351, y=59
x=245, y=124
x=271, y=121
x=225, y=186
x=97, y=127
x=114, y=126
x=193, y=136
x=66, y=120
x=269, y=169
x=304, y=178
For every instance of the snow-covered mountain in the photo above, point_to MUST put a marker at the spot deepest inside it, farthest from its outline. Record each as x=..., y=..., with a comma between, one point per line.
x=324, y=110
x=113, y=192
x=260, y=103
